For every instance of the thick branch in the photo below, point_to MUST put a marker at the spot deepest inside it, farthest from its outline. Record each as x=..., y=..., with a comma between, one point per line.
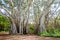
x=8, y=12
x=50, y=3
x=26, y=9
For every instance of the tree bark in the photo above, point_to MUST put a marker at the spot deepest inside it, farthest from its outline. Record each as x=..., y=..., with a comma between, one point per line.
x=42, y=24
x=13, y=28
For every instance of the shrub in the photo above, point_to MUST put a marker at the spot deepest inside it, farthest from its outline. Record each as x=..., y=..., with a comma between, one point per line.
x=4, y=23
x=31, y=28
x=51, y=33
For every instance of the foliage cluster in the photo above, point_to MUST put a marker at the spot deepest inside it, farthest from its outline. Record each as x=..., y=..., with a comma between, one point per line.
x=4, y=23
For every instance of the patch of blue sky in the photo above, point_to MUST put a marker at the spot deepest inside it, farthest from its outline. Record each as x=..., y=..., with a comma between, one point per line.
x=2, y=10
x=3, y=2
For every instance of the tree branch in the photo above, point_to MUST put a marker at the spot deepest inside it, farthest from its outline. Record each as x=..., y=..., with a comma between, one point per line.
x=50, y=3
x=12, y=2
x=8, y=12
x=26, y=9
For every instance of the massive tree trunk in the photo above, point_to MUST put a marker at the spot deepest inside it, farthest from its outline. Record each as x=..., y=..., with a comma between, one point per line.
x=20, y=28
x=27, y=26
x=13, y=28
x=42, y=19
x=19, y=17
x=27, y=29
x=42, y=24
x=45, y=11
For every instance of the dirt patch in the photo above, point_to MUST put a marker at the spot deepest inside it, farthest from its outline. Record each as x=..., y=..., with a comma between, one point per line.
x=26, y=37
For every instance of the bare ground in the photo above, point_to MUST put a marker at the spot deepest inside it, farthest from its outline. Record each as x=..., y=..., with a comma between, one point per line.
x=25, y=37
